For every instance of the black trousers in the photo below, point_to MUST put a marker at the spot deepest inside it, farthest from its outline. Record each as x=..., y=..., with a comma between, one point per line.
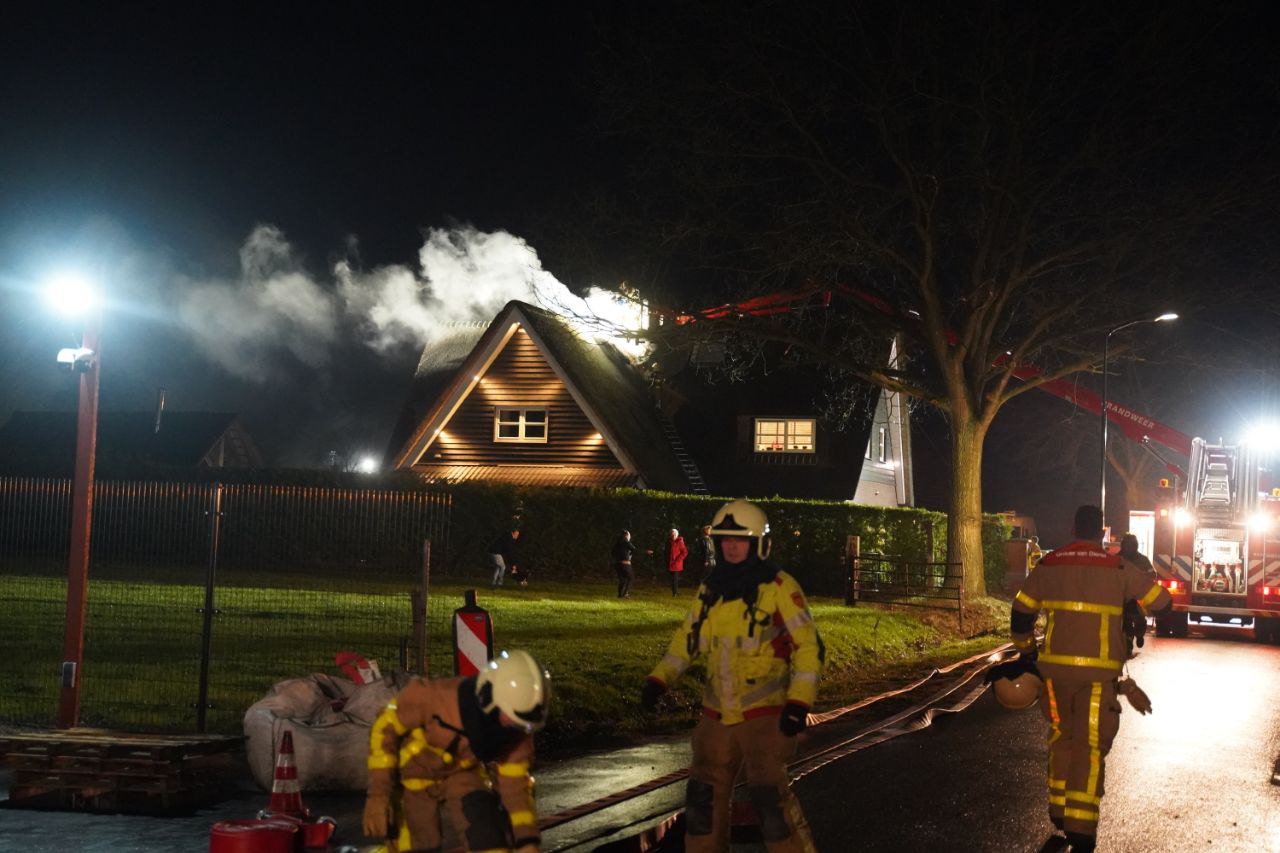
x=675, y=582
x=626, y=574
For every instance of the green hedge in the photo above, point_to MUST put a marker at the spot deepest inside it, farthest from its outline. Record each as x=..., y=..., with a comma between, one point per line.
x=568, y=533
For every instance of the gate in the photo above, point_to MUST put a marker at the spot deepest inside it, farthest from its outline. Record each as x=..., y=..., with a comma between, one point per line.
x=901, y=581
x=202, y=595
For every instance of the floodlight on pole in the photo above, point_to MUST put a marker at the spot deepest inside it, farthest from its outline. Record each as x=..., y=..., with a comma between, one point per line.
x=73, y=296
x=1102, y=465
x=367, y=465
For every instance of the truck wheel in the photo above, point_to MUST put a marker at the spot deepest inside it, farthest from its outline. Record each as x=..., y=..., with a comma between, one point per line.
x=1178, y=626
x=1266, y=630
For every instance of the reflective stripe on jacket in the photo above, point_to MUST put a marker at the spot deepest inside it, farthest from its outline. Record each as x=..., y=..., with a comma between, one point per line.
x=757, y=660
x=412, y=740
x=1083, y=589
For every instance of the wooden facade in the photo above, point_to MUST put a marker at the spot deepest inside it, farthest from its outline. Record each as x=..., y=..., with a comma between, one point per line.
x=518, y=378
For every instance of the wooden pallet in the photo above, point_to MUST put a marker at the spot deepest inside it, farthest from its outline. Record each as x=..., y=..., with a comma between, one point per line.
x=98, y=770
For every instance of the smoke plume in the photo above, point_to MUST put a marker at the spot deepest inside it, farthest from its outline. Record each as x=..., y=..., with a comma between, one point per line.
x=275, y=312
x=274, y=307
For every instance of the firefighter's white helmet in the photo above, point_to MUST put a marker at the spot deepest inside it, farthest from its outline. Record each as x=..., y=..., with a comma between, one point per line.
x=517, y=685
x=743, y=518
x=1018, y=694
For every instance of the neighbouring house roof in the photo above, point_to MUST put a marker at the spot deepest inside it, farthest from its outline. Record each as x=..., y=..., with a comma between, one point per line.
x=608, y=388
x=45, y=442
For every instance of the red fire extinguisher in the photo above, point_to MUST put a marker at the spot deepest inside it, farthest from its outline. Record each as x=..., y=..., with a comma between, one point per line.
x=472, y=637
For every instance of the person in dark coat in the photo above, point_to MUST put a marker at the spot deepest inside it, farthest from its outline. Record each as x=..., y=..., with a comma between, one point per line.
x=1130, y=554
x=623, y=551
x=706, y=551
x=502, y=554
x=676, y=552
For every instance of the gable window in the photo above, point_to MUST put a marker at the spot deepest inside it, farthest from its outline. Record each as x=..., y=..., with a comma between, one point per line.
x=785, y=435
x=520, y=426
x=881, y=454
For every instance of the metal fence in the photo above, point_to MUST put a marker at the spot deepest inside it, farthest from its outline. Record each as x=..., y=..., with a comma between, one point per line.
x=202, y=591
x=912, y=583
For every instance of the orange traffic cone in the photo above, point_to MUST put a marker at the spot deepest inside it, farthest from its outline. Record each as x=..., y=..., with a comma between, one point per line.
x=286, y=797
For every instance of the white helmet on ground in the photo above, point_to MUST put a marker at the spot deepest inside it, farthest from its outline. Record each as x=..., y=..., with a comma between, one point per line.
x=517, y=685
x=743, y=518
x=1018, y=693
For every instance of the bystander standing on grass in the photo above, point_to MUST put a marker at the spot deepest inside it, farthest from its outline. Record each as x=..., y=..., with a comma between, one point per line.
x=502, y=554
x=623, y=552
x=676, y=552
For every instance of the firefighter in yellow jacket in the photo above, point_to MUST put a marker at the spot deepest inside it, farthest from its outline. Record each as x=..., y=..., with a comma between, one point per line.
x=464, y=744
x=753, y=630
x=1083, y=590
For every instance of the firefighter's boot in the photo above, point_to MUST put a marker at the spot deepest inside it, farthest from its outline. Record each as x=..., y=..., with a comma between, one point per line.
x=1055, y=844
x=1081, y=843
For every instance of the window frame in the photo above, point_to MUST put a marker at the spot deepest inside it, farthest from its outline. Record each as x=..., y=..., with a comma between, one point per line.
x=521, y=423
x=788, y=435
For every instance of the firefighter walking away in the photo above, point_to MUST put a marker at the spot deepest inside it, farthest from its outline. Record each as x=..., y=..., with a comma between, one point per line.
x=1076, y=676
x=752, y=629
x=464, y=744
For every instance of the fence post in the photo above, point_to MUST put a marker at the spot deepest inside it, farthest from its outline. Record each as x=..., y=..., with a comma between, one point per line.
x=852, y=550
x=420, y=614
x=206, y=629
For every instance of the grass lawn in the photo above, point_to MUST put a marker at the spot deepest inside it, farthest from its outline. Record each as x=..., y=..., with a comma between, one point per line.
x=144, y=642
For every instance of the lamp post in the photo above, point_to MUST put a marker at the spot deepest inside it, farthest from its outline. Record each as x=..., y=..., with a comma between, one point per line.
x=74, y=297
x=1102, y=469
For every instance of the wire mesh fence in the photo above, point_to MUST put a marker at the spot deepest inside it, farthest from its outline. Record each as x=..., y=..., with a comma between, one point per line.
x=205, y=591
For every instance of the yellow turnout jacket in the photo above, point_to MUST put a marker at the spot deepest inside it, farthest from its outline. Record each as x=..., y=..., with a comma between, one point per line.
x=758, y=658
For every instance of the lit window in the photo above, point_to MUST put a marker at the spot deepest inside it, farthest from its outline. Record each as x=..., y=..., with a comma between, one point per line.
x=526, y=426
x=882, y=442
x=784, y=435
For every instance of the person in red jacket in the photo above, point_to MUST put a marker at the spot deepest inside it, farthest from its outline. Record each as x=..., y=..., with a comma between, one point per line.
x=676, y=552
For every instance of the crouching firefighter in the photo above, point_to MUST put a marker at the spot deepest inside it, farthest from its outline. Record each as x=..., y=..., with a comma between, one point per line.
x=753, y=630
x=464, y=744
x=1083, y=590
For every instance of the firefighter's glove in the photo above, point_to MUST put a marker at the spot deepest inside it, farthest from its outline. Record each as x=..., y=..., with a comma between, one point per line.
x=651, y=693
x=1138, y=698
x=793, y=720
x=377, y=813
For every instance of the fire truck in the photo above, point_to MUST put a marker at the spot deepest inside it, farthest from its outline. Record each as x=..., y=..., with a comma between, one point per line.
x=1215, y=545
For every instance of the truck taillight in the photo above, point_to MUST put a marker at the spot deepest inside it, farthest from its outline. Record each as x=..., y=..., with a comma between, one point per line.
x=1270, y=590
x=1171, y=585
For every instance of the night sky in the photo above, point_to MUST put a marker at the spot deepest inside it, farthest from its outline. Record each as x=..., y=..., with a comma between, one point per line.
x=146, y=147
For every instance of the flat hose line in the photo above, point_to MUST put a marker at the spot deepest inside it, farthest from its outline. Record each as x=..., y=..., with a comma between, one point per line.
x=640, y=790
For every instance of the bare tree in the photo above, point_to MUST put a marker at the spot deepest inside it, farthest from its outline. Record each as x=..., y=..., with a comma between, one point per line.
x=996, y=185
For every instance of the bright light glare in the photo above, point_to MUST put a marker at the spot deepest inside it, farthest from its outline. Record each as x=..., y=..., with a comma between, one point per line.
x=367, y=465
x=71, y=295
x=1168, y=316
x=1263, y=436
x=1181, y=517
x=1260, y=522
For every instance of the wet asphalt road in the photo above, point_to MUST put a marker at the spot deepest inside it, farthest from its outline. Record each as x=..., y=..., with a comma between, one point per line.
x=1195, y=775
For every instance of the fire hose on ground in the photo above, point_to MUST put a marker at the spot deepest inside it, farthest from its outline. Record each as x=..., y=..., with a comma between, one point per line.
x=919, y=716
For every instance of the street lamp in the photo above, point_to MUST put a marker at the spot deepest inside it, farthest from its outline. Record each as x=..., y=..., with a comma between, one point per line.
x=1102, y=469
x=73, y=296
